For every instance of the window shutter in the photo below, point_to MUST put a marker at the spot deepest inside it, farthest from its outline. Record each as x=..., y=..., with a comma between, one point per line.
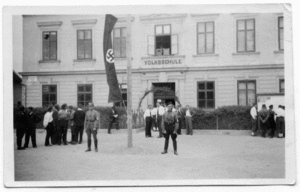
x=151, y=44
x=174, y=44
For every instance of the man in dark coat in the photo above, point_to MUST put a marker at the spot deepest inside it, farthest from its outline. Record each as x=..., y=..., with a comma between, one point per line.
x=113, y=115
x=169, y=128
x=79, y=116
x=21, y=125
x=272, y=123
x=32, y=120
x=263, y=118
x=55, y=133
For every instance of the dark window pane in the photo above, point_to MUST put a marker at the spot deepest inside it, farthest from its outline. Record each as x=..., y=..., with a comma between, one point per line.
x=210, y=104
x=53, y=46
x=52, y=98
x=52, y=89
x=201, y=95
x=124, y=96
x=46, y=36
x=80, y=97
x=45, y=97
x=80, y=88
x=88, y=88
x=45, y=88
x=210, y=85
x=53, y=36
x=88, y=97
x=201, y=86
x=210, y=95
x=88, y=49
x=201, y=103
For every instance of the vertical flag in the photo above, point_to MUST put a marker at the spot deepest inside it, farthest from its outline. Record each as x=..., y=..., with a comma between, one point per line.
x=108, y=53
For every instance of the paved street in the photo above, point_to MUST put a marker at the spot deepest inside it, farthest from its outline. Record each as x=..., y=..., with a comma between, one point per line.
x=201, y=156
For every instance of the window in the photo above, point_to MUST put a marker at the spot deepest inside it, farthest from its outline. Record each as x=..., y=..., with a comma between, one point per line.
x=205, y=37
x=49, y=95
x=84, y=44
x=246, y=93
x=49, y=45
x=163, y=43
x=206, y=94
x=281, y=85
x=84, y=94
x=123, y=88
x=246, y=35
x=119, y=42
x=280, y=33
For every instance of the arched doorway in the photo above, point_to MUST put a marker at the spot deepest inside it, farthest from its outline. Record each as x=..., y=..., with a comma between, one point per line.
x=165, y=97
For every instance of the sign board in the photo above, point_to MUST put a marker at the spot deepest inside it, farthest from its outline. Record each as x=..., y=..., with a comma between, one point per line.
x=268, y=99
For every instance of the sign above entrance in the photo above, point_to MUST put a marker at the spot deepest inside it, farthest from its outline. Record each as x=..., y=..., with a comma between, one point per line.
x=163, y=62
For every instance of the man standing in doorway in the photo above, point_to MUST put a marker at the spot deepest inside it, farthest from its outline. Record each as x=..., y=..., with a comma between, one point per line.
x=169, y=128
x=188, y=121
x=148, y=119
x=253, y=113
x=160, y=113
x=91, y=124
x=113, y=119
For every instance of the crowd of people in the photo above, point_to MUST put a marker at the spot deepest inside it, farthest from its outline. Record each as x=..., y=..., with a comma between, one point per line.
x=269, y=121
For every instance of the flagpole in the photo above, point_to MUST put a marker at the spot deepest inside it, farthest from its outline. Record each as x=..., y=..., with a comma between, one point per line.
x=129, y=81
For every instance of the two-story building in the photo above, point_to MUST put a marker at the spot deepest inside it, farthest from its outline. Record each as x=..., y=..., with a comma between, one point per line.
x=209, y=60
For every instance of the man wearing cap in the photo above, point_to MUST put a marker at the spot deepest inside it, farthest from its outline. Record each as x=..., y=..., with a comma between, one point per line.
x=148, y=119
x=263, y=118
x=169, y=128
x=160, y=113
x=91, y=124
x=272, y=124
x=253, y=113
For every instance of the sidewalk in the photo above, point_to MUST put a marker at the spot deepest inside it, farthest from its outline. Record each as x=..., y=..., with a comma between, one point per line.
x=201, y=156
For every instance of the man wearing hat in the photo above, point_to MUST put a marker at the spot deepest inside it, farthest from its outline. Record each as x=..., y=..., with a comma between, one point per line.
x=169, y=128
x=272, y=124
x=263, y=118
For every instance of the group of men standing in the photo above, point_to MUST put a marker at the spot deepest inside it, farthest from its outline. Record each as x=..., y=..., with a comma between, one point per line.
x=269, y=121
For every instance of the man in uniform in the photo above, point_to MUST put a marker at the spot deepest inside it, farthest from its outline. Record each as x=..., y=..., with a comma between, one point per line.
x=91, y=124
x=148, y=119
x=272, y=124
x=253, y=113
x=169, y=128
x=263, y=118
x=113, y=115
x=160, y=113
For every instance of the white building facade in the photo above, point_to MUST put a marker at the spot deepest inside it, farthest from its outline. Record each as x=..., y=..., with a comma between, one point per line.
x=209, y=60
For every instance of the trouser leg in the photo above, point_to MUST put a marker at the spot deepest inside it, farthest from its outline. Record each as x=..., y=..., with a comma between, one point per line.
x=263, y=129
x=47, y=136
x=174, y=136
x=159, y=118
x=20, y=135
x=167, y=136
x=81, y=133
x=179, y=126
x=110, y=125
x=190, y=126
x=27, y=137
x=33, y=138
x=187, y=125
x=65, y=132
x=95, y=139
x=89, y=139
x=76, y=133
x=117, y=123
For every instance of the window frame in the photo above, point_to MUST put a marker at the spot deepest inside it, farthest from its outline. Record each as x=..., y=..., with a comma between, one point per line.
x=205, y=90
x=245, y=30
x=279, y=45
x=205, y=32
x=238, y=91
x=155, y=35
x=84, y=93
x=43, y=56
x=121, y=29
x=77, y=40
x=280, y=88
x=49, y=102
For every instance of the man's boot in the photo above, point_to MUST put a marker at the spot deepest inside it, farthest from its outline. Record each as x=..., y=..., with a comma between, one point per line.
x=166, y=147
x=96, y=145
x=175, y=147
x=89, y=145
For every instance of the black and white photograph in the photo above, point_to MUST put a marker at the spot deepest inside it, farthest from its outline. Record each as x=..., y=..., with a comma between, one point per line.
x=148, y=95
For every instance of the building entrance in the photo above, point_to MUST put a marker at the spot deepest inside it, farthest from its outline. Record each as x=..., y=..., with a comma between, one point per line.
x=165, y=98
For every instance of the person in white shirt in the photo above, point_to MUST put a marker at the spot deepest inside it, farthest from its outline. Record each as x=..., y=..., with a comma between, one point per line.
x=280, y=122
x=253, y=113
x=48, y=124
x=188, y=121
x=154, y=119
x=160, y=113
x=148, y=119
